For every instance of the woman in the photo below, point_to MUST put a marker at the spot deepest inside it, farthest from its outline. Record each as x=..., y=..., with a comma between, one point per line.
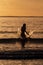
x=23, y=31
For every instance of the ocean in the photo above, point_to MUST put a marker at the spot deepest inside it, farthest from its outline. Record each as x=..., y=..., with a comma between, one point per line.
x=14, y=24
x=10, y=27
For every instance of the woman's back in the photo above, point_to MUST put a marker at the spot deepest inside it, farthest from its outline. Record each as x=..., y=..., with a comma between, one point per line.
x=23, y=30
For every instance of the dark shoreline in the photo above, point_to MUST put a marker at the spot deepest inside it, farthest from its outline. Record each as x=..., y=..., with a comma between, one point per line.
x=22, y=54
x=12, y=40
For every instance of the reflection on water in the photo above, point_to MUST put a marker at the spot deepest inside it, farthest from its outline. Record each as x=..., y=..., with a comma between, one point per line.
x=17, y=46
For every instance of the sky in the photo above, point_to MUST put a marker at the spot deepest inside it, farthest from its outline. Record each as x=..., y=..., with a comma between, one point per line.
x=21, y=7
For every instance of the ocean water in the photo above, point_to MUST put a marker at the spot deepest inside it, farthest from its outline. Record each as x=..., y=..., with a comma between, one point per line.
x=21, y=62
x=10, y=28
x=13, y=25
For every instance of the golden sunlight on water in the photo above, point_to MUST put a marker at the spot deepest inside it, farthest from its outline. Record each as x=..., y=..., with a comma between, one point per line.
x=21, y=62
x=9, y=29
x=12, y=24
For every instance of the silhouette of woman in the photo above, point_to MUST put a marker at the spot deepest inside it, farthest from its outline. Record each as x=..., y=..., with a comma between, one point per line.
x=23, y=30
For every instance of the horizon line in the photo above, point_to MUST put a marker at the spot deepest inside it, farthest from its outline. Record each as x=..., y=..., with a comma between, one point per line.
x=22, y=16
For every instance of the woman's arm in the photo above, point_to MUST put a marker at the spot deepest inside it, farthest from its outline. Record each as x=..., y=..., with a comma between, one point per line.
x=27, y=33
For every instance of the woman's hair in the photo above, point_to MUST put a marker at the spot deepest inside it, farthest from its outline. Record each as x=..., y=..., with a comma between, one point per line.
x=24, y=24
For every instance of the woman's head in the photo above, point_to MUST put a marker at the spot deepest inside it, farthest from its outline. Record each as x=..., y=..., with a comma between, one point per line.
x=24, y=25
